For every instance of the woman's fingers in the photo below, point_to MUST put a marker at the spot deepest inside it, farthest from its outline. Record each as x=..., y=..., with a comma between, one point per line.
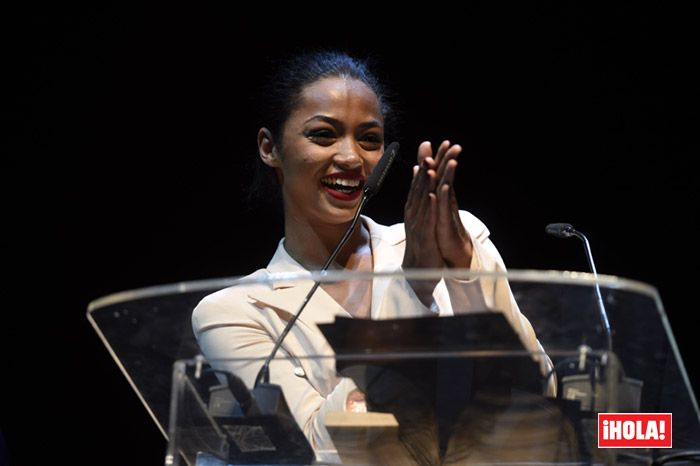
x=442, y=149
x=435, y=235
x=421, y=205
x=432, y=212
x=424, y=160
x=444, y=192
x=425, y=150
x=424, y=181
x=448, y=208
x=443, y=211
x=444, y=154
x=453, y=239
x=422, y=249
x=421, y=212
x=451, y=154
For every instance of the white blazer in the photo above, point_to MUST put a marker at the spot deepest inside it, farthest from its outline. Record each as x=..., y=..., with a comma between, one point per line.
x=244, y=321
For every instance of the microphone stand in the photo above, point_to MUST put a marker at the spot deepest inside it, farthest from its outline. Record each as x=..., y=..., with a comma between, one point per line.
x=374, y=182
x=599, y=297
x=608, y=360
x=264, y=373
x=566, y=230
x=266, y=406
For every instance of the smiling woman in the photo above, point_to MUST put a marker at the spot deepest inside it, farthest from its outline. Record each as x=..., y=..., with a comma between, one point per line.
x=327, y=120
x=330, y=143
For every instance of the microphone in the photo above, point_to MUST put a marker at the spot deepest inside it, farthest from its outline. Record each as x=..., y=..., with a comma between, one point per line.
x=560, y=230
x=270, y=427
x=371, y=187
x=253, y=435
x=621, y=393
x=376, y=178
x=566, y=230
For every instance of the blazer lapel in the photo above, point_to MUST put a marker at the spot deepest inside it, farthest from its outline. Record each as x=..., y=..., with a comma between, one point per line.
x=287, y=296
x=321, y=308
x=388, y=245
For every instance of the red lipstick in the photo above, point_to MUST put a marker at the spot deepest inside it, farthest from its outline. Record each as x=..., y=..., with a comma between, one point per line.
x=335, y=185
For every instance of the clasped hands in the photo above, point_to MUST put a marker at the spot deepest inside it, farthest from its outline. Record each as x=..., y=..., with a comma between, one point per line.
x=435, y=236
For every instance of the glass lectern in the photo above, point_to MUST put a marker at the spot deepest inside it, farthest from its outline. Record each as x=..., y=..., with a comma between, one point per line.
x=443, y=376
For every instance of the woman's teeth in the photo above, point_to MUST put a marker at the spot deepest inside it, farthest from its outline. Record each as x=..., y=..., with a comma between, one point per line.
x=342, y=184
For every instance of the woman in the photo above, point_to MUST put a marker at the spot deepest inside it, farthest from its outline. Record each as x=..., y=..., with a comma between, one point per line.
x=327, y=135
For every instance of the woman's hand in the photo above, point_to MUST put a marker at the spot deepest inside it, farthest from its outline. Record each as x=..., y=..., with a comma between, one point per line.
x=420, y=222
x=453, y=240
x=435, y=236
x=421, y=214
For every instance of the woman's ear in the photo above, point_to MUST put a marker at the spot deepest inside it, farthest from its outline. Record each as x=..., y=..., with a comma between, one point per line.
x=266, y=148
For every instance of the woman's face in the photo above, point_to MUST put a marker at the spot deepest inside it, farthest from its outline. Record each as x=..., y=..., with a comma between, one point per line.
x=330, y=143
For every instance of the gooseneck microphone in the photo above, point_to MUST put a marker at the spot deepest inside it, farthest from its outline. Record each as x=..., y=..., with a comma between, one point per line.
x=566, y=230
x=371, y=187
x=560, y=230
x=265, y=407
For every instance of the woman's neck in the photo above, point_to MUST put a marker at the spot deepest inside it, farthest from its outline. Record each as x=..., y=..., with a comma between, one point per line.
x=310, y=245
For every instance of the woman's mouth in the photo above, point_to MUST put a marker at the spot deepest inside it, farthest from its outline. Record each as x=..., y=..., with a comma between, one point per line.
x=343, y=186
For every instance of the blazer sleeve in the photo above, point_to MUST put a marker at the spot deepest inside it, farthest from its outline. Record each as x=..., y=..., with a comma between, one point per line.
x=238, y=330
x=490, y=293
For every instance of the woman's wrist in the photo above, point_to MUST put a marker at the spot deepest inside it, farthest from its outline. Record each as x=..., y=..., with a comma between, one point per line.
x=462, y=259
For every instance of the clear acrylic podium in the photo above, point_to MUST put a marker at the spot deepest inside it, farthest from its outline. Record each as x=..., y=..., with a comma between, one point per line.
x=458, y=390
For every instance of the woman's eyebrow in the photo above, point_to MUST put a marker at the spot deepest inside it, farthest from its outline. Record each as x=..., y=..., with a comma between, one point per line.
x=373, y=123
x=370, y=124
x=325, y=118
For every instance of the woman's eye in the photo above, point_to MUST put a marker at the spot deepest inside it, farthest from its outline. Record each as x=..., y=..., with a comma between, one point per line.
x=372, y=140
x=323, y=134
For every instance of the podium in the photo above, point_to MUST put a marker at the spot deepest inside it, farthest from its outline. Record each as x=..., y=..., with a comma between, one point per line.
x=460, y=388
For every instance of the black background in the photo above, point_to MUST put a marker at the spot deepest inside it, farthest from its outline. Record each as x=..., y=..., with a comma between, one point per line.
x=131, y=128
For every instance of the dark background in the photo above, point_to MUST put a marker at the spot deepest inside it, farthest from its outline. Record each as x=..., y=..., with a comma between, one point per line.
x=130, y=131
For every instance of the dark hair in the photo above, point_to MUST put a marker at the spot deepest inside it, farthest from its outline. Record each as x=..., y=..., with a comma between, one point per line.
x=281, y=94
x=283, y=89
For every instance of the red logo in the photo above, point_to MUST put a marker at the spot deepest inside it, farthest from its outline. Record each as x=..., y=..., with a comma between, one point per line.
x=634, y=430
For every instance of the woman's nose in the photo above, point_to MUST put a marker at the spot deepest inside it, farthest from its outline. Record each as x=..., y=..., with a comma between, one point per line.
x=348, y=155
